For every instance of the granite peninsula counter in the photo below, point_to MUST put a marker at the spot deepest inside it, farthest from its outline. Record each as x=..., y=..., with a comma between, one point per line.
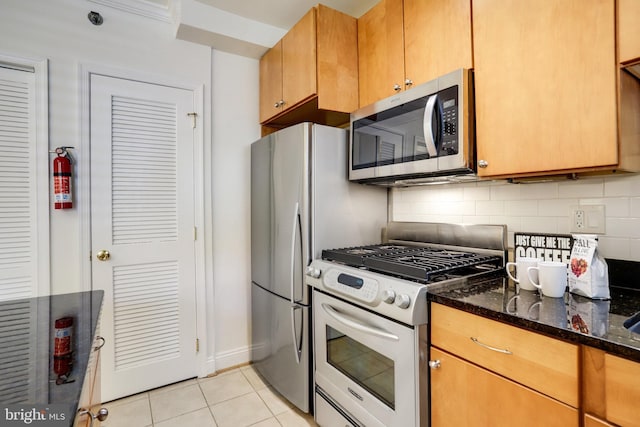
x=33, y=380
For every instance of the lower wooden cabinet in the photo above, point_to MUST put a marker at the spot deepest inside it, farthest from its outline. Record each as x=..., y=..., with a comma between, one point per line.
x=591, y=421
x=539, y=362
x=487, y=373
x=610, y=389
x=463, y=394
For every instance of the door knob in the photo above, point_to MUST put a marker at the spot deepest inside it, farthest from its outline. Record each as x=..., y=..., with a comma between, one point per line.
x=103, y=255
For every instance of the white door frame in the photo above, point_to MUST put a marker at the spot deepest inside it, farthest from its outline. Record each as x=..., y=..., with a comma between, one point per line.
x=83, y=186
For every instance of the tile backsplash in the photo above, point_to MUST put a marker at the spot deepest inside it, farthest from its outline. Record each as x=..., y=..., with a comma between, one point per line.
x=542, y=207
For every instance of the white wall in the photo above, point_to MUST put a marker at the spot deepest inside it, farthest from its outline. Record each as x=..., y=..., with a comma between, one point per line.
x=235, y=127
x=60, y=31
x=537, y=207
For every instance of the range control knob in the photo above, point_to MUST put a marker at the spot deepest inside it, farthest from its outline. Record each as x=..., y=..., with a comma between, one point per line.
x=389, y=296
x=313, y=272
x=403, y=301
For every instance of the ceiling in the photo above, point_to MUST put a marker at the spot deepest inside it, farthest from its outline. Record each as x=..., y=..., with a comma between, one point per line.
x=243, y=27
x=284, y=13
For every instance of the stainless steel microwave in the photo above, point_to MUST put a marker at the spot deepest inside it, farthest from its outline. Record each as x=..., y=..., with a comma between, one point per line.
x=418, y=135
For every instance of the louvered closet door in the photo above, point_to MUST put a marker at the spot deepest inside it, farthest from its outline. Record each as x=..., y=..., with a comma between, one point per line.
x=142, y=213
x=18, y=192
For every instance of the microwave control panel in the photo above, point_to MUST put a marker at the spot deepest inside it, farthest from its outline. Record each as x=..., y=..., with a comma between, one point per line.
x=448, y=102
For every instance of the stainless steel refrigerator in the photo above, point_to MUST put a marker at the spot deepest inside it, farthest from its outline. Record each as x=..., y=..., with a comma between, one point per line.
x=301, y=203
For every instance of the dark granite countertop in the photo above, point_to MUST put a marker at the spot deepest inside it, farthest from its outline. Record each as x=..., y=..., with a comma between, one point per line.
x=30, y=379
x=572, y=318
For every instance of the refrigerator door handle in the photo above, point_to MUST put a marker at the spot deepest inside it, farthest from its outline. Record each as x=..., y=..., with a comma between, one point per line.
x=297, y=344
x=297, y=230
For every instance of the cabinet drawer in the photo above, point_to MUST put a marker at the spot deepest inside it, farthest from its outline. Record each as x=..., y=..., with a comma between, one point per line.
x=544, y=364
x=621, y=390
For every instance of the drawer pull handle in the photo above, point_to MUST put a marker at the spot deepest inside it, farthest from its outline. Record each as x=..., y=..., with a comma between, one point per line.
x=499, y=350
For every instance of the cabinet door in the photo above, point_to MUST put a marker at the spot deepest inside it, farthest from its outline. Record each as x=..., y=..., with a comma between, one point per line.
x=271, y=82
x=591, y=421
x=463, y=394
x=629, y=30
x=299, y=61
x=622, y=391
x=337, y=56
x=437, y=38
x=380, y=51
x=545, y=83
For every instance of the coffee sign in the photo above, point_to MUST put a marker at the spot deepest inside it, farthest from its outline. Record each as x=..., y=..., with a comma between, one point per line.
x=549, y=247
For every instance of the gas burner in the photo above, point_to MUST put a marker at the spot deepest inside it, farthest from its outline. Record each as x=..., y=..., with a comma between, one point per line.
x=449, y=254
x=414, y=259
x=361, y=251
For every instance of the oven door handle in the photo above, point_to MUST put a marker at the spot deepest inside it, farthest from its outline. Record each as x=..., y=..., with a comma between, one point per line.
x=355, y=324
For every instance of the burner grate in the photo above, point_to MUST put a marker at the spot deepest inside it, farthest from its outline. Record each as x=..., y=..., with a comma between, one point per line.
x=426, y=267
x=355, y=257
x=414, y=262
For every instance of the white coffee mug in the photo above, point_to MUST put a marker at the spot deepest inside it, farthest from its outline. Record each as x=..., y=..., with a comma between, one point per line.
x=553, y=278
x=522, y=278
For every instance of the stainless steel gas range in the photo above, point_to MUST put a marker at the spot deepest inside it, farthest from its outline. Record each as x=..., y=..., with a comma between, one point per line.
x=370, y=317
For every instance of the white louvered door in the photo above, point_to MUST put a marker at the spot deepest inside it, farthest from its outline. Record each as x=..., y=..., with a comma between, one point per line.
x=23, y=198
x=142, y=213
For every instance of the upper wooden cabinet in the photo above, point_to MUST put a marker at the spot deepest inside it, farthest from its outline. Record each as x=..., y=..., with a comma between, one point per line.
x=380, y=51
x=629, y=30
x=546, y=86
x=311, y=74
x=401, y=44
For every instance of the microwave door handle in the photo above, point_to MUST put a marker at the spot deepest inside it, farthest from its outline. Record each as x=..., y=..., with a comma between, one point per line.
x=355, y=324
x=427, y=127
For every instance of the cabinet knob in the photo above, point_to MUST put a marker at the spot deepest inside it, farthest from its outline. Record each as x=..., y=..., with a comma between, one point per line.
x=408, y=83
x=278, y=104
x=434, y=364
x=397, y=87
x=483, y=163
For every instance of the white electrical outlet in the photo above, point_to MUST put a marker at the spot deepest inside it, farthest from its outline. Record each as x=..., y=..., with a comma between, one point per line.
x=588, y=219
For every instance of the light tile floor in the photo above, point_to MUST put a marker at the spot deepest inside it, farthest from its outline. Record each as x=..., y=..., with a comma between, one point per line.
x=235, y=398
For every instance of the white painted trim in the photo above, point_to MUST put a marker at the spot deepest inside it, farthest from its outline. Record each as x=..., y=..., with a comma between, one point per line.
x=139, y=7
x=199, y=166
x=40, y=67
x=235, y=357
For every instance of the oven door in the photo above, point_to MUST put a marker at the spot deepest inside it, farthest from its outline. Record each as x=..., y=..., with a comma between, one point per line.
x=367, y=363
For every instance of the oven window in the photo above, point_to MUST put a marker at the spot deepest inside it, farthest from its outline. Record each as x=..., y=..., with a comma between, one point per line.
x=370, y=369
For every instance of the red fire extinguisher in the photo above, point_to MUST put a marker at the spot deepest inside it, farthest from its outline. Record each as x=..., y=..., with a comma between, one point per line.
x=62, y=179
